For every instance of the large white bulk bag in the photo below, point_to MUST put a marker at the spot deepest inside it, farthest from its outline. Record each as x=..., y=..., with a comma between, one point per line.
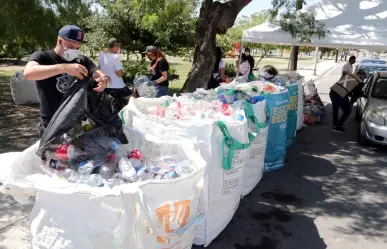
x=222, y=187
x=150, y=214
x=7, y=160
x=23, y=91
x=255, y=164
x=300, y=107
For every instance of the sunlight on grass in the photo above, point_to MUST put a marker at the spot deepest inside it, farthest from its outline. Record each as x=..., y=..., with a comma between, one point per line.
x=6, y=75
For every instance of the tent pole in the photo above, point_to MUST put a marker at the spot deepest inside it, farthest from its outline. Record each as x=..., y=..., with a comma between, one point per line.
x=315, y=61
x=290, y=57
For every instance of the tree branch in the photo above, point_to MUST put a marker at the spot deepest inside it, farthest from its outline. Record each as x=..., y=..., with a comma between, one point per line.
x=229, y=12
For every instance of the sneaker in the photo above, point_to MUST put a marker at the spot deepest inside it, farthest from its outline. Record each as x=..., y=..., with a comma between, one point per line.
x=341, y=129
x=334, y=129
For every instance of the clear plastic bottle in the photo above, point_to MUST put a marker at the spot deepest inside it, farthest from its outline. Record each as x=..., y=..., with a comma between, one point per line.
x=95, y=180
x=107, y=170
x=127, y=170
x=65, y=152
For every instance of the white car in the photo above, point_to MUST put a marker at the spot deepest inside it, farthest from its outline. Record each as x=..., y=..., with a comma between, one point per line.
x=372, y=110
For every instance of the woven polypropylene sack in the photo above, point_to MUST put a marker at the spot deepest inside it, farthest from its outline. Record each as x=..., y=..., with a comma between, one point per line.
x=222, y=188
x=24, y=92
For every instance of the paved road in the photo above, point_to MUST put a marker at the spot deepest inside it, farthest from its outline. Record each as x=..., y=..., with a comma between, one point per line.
x=331, y=194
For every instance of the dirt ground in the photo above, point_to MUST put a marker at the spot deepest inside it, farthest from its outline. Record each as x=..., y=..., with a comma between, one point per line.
x=17, y=123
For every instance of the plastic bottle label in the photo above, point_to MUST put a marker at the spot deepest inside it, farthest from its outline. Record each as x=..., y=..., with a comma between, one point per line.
x=61, y=152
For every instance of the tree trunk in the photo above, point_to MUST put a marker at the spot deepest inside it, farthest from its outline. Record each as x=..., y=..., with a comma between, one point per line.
x=282, y=52
x=294, y=58
x=295, y=49
x=337, y=54
x=215, y=17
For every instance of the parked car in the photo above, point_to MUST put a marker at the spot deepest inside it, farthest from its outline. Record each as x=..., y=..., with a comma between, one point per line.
x=372, y=110
x=371, y=67
x=373, y=61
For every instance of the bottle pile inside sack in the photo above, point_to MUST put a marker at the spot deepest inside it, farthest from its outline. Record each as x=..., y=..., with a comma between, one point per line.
x=115, y=164
x=226, y=101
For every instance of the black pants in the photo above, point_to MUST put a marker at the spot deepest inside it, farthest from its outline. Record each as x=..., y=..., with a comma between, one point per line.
x=337, y=103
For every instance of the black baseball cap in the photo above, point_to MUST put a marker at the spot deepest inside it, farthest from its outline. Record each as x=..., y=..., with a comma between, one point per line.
x=72, y=32
x=150, y=49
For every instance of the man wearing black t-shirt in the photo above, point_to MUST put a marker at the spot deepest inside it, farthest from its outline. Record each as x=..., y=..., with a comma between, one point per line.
x=51, y=70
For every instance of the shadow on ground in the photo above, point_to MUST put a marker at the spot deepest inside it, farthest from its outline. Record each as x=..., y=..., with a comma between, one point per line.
x=326, y=176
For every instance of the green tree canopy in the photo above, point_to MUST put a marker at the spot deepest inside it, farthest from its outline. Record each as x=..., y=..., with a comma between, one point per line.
x=30, y=24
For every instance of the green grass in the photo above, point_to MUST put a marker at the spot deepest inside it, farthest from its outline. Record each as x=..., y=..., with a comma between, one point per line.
x=183, y=67
x=6, y=75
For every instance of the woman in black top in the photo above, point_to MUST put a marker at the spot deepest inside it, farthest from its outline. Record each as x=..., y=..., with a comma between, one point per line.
x=159, y=70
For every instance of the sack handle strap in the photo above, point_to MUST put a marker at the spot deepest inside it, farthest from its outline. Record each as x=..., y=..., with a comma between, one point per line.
x=232, y=145
x=250, y=115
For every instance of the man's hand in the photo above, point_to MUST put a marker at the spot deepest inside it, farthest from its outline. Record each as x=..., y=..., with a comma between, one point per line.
x=102, y=83
x=76, y=70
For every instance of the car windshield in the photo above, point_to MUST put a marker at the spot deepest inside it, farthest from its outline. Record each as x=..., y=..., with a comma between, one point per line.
x=380, y=88
x=372, y=68
x=373, y=61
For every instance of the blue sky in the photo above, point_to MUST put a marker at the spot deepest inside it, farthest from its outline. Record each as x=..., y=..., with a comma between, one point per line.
x=258, y=5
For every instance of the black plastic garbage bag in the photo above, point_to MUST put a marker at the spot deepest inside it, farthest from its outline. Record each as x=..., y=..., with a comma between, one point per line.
x=81, y=102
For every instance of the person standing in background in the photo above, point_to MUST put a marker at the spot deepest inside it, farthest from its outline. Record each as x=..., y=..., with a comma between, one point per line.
x=342, y=56
x=250, y=59
x=348, y=67
x=159, y=70
x=109, y=62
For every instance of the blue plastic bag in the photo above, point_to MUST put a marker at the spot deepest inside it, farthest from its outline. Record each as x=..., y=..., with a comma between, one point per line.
x=277, y=105
x=292, y=114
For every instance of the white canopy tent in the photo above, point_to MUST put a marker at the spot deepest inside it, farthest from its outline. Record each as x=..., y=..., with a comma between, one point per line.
x=351, y=23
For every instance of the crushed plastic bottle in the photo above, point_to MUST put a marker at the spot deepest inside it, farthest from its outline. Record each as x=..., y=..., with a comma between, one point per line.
x=85, y=168
x=183, y=168
x=69, y=174
x=143, y=174
x=58, y=165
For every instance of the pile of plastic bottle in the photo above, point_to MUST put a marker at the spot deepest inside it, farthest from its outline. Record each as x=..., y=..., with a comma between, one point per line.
x=114, y=165
x=141, y=83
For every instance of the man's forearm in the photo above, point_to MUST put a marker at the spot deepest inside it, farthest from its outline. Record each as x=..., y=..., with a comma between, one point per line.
x=41, y=72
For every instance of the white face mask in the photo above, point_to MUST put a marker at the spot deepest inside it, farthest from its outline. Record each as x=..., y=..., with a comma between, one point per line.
x=247, y=53
x=70, y=54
